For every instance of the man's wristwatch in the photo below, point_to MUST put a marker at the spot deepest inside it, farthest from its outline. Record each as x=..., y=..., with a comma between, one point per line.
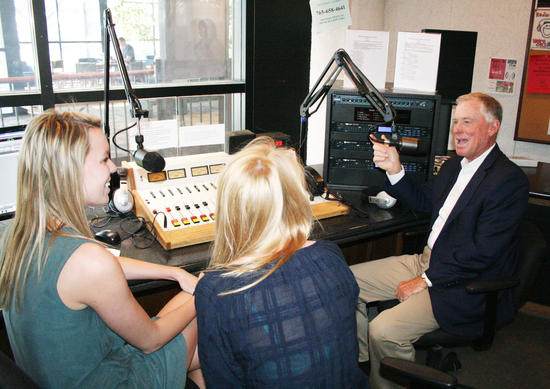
x=426, y=280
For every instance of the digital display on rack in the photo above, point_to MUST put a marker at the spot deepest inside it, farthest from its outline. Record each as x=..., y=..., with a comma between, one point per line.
x=367, y=114
x=370, y=114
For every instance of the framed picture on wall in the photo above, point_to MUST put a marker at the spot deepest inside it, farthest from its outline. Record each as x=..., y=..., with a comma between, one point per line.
x=533, y=124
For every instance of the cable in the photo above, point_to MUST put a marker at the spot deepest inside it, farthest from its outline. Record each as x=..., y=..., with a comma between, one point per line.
x=101, y=221
x=141, y=234
x=118, y=132
x=131, y=226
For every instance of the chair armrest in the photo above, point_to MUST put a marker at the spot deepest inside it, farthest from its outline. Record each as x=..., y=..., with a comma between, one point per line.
x=491, y=289
x=492, y=285
x=417, y=373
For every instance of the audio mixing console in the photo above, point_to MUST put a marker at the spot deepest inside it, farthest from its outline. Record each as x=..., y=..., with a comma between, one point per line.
x=180, y=201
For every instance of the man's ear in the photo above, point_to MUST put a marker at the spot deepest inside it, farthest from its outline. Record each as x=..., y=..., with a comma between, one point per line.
x=493, y=127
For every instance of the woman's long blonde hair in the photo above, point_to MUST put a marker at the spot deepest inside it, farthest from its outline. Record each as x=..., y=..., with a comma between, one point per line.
x=263, y=212
x=49, y=194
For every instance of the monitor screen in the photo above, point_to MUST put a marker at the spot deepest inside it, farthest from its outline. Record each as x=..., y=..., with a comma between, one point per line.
x=10, y=143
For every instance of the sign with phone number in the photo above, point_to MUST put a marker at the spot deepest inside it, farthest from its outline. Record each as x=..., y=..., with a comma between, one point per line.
x=322, y=12
x=327, y=15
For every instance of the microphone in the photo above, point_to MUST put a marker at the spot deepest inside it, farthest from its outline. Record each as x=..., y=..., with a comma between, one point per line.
x=404, y=144
x=149, y=160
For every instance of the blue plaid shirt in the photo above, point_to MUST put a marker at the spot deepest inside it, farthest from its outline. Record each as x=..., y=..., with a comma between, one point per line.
x=295, y=329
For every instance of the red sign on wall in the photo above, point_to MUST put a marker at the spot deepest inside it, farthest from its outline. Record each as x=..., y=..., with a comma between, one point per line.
x=538, y=77
x=498, y=69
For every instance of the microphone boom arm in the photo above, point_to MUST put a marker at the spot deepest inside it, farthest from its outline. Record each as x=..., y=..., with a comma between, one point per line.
x=150, y=161
x=135, y=106
x=365, y=88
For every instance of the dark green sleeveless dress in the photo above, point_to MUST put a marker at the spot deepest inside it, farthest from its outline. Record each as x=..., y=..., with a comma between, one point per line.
x=62, y=348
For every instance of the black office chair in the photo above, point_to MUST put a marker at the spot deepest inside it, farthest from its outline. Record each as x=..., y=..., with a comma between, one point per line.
x=532, y=251
x=416, y=375
x=11, y=376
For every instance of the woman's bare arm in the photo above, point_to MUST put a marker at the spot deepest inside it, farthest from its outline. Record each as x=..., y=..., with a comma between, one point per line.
x=93, y=277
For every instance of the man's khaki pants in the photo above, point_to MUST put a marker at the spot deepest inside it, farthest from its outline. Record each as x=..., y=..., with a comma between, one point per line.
x=392, y=332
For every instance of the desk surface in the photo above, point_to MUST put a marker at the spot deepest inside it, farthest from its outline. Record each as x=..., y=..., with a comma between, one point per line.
x=369, y=223
x=539, y=180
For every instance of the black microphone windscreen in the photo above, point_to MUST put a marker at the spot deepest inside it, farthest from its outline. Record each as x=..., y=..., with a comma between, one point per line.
x=149, y=160
x=414, y=146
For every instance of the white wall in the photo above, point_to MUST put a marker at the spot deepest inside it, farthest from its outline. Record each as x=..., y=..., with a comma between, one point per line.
x=502, y=27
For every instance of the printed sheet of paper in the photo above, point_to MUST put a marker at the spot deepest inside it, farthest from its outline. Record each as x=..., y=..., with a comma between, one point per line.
x=165, y=134
x=328, y=15
x=369, y=51
x=157, y=134
x=417, y=60
x=208, y=134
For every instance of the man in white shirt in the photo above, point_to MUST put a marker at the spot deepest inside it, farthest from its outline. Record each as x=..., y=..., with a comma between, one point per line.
x=476, y=201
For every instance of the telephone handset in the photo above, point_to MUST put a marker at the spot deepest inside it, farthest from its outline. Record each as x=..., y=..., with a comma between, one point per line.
x=315, y=183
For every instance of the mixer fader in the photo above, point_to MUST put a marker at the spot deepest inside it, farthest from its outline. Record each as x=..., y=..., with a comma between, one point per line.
x=180, y=201
x=182, y=205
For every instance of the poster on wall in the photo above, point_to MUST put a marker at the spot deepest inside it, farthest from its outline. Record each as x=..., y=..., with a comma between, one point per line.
x=540, y=37
x=533, y=122
x=502, y=75
x=538, y=76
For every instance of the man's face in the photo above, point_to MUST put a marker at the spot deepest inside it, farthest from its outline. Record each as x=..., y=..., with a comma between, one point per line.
x=473, y=134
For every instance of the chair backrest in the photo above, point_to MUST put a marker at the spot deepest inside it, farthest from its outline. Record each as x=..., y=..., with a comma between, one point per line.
x=531, y=256
x=11, y=376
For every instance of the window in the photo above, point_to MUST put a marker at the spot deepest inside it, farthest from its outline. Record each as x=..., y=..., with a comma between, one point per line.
x=17, y=49
x=17, y=60
x=174, y=49
x=163, y=42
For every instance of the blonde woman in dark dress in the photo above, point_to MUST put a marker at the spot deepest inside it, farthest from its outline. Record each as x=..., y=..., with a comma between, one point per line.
x=275, y=309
